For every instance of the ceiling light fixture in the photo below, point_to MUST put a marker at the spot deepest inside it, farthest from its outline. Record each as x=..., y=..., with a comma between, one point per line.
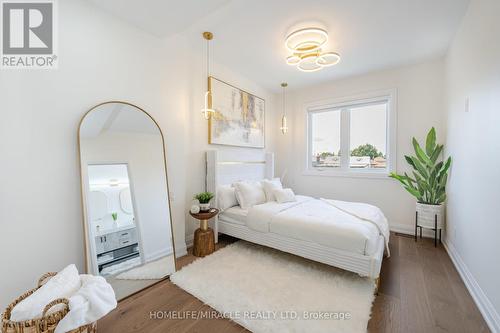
x=307, y=55
x=207, y=109
x=284, y=126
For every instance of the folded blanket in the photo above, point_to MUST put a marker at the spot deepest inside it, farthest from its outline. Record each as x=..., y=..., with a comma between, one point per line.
x=91, y=302
x=365, y=212
x=62, y=285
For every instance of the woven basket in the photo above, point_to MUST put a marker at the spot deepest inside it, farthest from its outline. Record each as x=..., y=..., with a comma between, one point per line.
x=48, y=322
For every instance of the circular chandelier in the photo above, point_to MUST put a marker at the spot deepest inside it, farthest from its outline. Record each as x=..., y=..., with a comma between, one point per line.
x=306, y=47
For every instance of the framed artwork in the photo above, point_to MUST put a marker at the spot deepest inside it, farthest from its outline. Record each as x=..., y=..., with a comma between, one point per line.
x=239, y=118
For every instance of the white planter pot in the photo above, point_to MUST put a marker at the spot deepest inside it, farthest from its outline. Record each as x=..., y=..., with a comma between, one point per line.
x=427, y=215
x=205, y=207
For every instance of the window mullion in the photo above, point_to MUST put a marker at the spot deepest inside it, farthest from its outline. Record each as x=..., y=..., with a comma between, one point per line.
x=344, y=139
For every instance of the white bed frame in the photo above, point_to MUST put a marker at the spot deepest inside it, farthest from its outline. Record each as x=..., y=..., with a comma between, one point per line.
x=228, y=166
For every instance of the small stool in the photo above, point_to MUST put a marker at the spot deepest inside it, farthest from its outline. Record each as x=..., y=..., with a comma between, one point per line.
x=204, y=240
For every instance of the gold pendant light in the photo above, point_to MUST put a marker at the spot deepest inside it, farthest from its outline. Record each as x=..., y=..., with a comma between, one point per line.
x=284, y=126
x=207, y=109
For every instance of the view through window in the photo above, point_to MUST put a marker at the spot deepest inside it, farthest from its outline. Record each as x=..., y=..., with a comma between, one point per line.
x=357, y=130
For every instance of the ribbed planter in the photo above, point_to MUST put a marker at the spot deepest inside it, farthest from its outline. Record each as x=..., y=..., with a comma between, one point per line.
x=428, y=213
x=205, y=207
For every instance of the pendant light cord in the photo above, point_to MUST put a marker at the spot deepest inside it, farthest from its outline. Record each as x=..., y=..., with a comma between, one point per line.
x=284, y=106
x=208, y=58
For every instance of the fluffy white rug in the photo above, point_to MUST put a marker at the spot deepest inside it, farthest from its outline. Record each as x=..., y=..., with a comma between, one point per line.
x=266, y=290
x=153, y=270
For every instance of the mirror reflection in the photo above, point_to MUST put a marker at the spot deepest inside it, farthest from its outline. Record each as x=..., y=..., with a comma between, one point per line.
x=127, y=214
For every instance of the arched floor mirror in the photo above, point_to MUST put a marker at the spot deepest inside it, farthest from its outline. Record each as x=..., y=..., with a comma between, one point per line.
x=127, y=219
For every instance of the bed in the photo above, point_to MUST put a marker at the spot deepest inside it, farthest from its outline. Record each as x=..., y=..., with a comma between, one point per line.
x=322, y=230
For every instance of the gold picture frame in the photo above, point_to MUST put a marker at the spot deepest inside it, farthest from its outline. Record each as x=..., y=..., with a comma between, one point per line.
x=239, y=117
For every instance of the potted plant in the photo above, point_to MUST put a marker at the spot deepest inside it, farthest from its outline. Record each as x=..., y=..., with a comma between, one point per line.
x=427, y=182
x=204, y=200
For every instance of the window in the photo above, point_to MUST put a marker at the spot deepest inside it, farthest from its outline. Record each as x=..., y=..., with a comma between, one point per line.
x=351, y=137
x=325, y=127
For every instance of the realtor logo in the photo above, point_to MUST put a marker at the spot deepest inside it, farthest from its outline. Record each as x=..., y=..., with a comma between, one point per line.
x=28, y=34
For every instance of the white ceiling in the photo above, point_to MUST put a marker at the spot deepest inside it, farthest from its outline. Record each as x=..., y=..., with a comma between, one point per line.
x=161, y=18
x=249, y=35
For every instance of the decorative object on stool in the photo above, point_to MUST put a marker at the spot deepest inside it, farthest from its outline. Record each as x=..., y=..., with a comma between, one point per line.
x=204, y=240
x=195, y=209
x=427, y=184
x=204, y=199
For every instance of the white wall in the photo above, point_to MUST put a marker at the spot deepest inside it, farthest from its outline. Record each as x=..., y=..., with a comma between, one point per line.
x=419, y=107
x=198, y=126
x=101, y=58
x=473, y=72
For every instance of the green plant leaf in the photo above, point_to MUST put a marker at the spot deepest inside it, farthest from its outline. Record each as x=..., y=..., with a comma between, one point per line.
x=414, y=192
x=428, y=180
x=435, y=154
x=430, y=142
x=421, y=155
x=204, y=197
x=420, y=168
x=409, y=160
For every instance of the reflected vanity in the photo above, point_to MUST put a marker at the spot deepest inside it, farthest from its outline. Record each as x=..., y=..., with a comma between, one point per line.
x=127, y=220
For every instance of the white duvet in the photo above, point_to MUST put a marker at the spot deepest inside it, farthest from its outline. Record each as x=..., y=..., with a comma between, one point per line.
x=349, y=226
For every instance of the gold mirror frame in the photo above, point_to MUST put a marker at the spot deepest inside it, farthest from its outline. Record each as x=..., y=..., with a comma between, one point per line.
x=82, y=180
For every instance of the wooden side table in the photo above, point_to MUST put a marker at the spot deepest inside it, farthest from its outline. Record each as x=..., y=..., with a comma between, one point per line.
x=204, y=240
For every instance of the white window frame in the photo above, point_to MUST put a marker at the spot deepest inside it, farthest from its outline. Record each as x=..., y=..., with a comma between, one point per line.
x=343, y=104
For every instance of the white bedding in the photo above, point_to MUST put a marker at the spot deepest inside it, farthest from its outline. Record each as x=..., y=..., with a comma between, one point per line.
x=321, y=222
x=235, y=214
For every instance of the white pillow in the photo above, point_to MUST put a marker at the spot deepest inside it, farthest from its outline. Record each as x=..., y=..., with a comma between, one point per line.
x=226, y=197
x=269, y=186
x=63, y=285
x=249, y=194
x=284, y=195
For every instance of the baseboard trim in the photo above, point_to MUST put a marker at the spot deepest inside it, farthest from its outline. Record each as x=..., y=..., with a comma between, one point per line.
x=484, y=305
x=487, y=309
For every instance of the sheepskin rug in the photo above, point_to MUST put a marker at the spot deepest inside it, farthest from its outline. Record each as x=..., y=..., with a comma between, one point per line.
x=266, y=290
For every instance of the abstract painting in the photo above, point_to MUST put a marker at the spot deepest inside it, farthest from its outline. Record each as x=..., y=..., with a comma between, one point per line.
x=239, y=118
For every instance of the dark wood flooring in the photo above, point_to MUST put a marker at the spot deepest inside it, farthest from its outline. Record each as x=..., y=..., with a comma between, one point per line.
x=420, y=291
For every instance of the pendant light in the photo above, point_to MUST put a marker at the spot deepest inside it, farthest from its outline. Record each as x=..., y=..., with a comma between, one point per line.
x=284, y=126
x=207, y=109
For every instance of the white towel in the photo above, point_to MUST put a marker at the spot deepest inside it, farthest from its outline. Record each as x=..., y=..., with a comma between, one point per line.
x=91, y=302
x=63, y=285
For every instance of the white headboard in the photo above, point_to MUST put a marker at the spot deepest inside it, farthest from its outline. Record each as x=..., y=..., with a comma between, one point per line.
x=225, y=167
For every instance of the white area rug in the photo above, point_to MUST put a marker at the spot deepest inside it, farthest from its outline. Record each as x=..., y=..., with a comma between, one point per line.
x=266, y=290
x=153, y=270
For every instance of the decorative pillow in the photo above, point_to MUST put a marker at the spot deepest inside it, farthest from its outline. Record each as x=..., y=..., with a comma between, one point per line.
x=269, y=186
x=249, y=194
x=284, y=195
x=226, y=197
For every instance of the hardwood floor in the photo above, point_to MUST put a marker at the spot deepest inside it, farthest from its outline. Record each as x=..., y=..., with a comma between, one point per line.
x=420, y=291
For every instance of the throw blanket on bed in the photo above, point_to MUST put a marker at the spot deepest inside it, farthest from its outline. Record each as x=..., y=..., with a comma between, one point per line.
x=366, y=213
x=320, y=218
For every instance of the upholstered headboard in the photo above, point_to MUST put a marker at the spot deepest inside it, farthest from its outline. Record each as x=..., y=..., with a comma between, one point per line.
x=225, y=167
x=228, y=166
